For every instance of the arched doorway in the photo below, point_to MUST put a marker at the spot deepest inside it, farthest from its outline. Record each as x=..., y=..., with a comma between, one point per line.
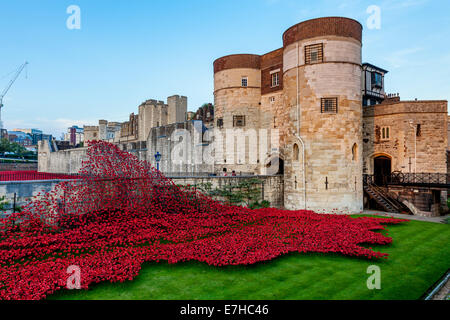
x=382, y=167
x=275, y=164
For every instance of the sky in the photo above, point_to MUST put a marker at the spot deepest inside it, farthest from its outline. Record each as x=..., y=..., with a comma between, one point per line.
x=128, y=51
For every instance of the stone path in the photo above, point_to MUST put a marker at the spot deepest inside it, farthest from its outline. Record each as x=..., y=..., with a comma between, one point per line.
x=444, y=293
x=409, y=217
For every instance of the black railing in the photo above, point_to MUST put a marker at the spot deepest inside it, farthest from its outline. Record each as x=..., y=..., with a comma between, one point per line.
x=368, y=179
x=427, y=179
x=412, y=179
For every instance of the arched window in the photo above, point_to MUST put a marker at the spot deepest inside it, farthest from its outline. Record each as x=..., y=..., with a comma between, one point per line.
x=296, y=152
x=355, y=152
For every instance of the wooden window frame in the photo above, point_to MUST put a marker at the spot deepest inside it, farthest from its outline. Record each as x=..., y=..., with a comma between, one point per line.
x=327, y=109
x=275, y=76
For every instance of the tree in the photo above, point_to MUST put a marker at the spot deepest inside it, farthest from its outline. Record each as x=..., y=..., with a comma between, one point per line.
x=3, y=203
x=6, y=146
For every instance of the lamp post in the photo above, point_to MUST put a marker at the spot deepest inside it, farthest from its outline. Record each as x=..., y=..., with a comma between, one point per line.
x=157, y=159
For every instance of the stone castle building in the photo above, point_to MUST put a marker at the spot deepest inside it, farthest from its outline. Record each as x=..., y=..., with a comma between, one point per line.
x=310, y=89
x=330, y=112
x=334, y=118
x=132, y=134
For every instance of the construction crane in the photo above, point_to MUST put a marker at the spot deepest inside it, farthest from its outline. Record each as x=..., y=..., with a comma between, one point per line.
x=5, y=91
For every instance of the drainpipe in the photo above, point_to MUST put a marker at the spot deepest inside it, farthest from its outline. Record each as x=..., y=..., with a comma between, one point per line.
x=411, y=123
x=298, y=106
x=303, y=164
x=297, y=135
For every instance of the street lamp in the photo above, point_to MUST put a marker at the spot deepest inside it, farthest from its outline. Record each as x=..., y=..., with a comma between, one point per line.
x=158, y=159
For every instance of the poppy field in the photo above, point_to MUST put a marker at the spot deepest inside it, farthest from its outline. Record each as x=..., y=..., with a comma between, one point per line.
x=123, y=213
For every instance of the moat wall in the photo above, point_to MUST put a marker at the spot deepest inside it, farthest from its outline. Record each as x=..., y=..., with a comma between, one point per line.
x=271, y=187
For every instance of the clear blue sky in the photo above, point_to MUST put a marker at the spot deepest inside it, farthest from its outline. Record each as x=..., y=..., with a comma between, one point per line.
x=130, y=51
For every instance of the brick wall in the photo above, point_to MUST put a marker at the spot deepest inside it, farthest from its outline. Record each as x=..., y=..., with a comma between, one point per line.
x=329, y=26
x=236, y=61
x=270, y=62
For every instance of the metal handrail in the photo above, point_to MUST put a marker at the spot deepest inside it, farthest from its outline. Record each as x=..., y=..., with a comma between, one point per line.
x=385, y=196
x=400, y=178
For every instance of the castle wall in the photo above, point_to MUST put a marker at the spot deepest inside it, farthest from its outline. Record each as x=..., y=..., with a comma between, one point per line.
x=152, y=114
x=271, y=187
x=448, y=133
x=171, y=141
x=431, y=143
x=66, y=161
x=91, y=133
x=273, y=114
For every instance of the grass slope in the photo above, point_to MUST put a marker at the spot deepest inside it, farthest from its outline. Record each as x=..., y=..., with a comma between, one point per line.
x=418, y=257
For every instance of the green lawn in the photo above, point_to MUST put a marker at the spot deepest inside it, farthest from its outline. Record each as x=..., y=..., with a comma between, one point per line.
x=419, y=256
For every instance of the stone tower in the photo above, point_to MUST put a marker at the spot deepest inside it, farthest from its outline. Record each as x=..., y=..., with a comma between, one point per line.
x=177, y=109
x=237, y=97
x=102, y=129
x=310, y=91
x=322, y=95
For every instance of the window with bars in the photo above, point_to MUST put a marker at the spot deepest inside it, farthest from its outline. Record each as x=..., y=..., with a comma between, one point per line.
x=314, y=53
x=220, y=122
x=329, y=105
x=238, y=121
x=244, y=81
x=275, y=79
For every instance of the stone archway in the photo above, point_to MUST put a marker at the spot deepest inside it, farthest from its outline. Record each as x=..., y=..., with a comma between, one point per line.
x=277, y=163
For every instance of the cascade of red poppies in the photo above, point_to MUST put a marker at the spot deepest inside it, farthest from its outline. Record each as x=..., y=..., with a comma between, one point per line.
x=122, y=212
